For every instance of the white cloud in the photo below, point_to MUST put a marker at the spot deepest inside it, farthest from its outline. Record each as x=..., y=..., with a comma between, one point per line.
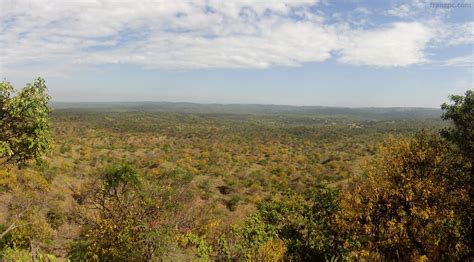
x=362, y=10
x=302, y=42
x=418, y=9
x=452, y=35
x=199, y=34
x=459, y=34
x=467, y=60
x=401, y=11
x=401, y=44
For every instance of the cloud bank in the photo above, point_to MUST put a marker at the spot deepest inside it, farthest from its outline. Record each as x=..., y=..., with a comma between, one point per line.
x=205, y=34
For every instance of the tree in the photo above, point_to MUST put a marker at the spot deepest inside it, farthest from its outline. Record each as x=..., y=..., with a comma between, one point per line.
x=24, y=126
x=122, y=222
x=24, y=135
x=461, y=134
x=288, y=227
x=461, y=113
x=254, y=240
x=305, y=223
x=411, y=203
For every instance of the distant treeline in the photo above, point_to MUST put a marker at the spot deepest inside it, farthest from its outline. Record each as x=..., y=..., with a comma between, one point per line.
x=363, y=113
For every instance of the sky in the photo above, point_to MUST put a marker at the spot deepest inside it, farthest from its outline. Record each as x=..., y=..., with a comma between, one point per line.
x=294, y=52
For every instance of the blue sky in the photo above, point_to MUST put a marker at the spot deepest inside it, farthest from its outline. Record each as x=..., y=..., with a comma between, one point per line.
x=298, y=52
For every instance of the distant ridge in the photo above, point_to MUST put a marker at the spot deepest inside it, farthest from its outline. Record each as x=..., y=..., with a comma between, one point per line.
x=376, y=113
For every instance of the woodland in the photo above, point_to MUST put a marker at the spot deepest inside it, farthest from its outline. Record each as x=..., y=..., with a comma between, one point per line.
x=190, y=182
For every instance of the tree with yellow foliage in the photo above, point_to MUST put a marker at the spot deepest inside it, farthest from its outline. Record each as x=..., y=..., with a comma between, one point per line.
x=121, y=222
x=410, y=203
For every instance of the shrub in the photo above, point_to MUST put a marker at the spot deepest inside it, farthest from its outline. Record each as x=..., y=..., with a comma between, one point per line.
x=305, y=223
x=56, y=217
x=244, y=242
x=233, y=202
x=15, y=255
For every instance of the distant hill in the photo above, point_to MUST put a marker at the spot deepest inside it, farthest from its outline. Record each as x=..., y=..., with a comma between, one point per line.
x=366, y=113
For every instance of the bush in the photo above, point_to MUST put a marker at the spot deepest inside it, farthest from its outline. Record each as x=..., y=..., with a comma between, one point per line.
x=55, y=217
x=23, y=255
x=305, y=223
x=233, y=202
x=15, y=255
x=247, y=241
x=289, y=227
x=204, y=249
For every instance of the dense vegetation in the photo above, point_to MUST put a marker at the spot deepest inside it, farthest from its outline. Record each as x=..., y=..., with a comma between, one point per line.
x=141, y=183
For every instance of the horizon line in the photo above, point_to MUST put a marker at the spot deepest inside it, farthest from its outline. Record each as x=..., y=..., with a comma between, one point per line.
x=243, y=104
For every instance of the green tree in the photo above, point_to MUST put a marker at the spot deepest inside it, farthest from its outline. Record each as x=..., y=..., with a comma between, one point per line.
x=461, y=113
x=294, y=227
x=24, y=135
x=461, y=134
x=254, y=240
x=305, y=223
x=24, y=126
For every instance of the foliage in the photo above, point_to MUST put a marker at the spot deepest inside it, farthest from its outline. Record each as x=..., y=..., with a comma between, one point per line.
x=292, y=227
x=15, y=255
x=252, y=240
x=125, y=225
x=461, y=113
x=249, y=241
x=461, y=133
x=273, y=250
x=24, y=135
x=27, y=225
x=306, y=224
x=239, y=187
x=5, y=241
x=232, y=203
x=204, y=249
x=411, y=203
x=24, y=126
x=78, y=251
x=22, y=255
x=55, y=217
x=254, y=233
